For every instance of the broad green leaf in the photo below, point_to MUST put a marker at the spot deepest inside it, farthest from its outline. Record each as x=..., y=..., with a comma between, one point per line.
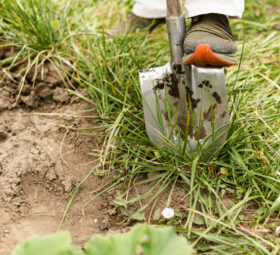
x=121, y=202
x=141, y=240
x=199, y=221
x=137, y=216
x=157, y=214
x=57, y=244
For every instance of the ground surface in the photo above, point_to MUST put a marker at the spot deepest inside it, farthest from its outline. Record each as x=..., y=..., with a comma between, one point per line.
x=41, y=162
x=44, y=156
x=229, y=205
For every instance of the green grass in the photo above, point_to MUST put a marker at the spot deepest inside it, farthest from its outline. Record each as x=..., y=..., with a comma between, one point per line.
x=248, y=168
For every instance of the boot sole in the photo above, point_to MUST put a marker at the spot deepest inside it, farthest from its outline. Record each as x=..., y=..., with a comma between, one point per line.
x=204, y=56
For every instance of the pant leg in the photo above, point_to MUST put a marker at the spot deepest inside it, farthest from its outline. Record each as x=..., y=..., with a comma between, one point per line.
x=157, y=8
x=231, y=8
x=150, y=8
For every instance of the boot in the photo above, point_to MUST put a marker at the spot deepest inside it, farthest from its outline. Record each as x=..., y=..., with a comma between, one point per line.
x=209, y=42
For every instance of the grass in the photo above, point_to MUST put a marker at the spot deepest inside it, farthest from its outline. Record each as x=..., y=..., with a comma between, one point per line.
x=248, y=169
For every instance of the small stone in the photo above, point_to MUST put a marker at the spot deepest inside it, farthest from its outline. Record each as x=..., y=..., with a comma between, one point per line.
x=67, y=184
x=95, y=221
x=51, y=175
x=61, y=95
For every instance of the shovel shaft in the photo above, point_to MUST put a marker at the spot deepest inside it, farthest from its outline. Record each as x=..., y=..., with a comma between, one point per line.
x=176, y=33
x=176, y=28
x=174, y=9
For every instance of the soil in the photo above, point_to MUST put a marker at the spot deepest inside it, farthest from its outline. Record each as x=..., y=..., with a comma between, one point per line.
x=41, y=161
x=44, y=156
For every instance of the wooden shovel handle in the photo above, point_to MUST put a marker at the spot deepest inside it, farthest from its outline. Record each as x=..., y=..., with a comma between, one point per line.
x=174, y=8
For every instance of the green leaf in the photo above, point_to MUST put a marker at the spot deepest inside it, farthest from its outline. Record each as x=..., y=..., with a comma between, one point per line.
x=157, y=214
x=121, y=202
x=57, y=244
x=199, y=221
x=142, y=239
x=137, y=216
x=223, y=170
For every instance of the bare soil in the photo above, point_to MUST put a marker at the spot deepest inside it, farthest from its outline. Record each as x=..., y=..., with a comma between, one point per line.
x=42, y=160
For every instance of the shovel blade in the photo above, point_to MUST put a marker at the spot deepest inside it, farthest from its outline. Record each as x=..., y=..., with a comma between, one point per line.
x=207, y=106
x=208, y=96
x=153, y=100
